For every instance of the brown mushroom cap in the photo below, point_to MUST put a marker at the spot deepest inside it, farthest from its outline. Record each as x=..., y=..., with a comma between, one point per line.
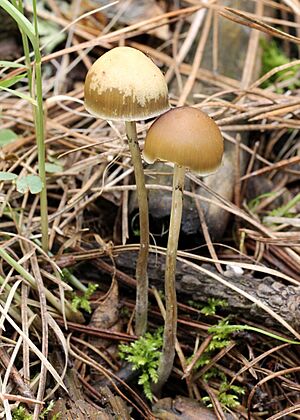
x=124, y=84
x=185, y=136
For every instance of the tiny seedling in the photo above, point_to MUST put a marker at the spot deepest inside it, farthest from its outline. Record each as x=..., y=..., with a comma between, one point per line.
x=21, y=413
x=32, y=183
x=211, y=307
x=219, y=341
x=144, y=354
x=82, y=302
x=228, y=395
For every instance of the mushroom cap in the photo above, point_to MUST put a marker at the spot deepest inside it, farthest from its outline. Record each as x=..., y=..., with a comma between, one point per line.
x=185, y=136
x=124, y=84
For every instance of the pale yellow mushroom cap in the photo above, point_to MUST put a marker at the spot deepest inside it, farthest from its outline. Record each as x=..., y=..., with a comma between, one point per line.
x=185, y=136
x=124, y=84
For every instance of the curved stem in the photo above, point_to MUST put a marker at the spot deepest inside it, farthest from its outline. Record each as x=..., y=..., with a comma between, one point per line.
x=142, y=261
x=168, y=352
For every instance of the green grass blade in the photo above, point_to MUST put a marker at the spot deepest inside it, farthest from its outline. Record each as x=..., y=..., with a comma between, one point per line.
x=11, y=64
x=21, y=20
x=20, y=95
x=12, y=81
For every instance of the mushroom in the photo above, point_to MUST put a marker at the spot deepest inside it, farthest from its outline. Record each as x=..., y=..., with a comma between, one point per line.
x=125, y=85
x=191, y=140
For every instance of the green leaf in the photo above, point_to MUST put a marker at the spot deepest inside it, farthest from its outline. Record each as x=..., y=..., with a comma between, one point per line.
x=11, y=64
x=20, y=94
x=82, y=302
x=7, y=136
x=53, y=168
x=21, y=20
x=7, y=176
x=12, y=81
x=30, y=183
x=143, y=379
x=22, y=186
x=34, y=183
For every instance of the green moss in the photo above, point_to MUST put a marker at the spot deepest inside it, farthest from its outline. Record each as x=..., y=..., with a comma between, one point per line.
x=272, y=57
x=144, y=354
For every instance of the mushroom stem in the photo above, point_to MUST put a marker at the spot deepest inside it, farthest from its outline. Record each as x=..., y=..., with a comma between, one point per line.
x=168, y=352
x=141, y=311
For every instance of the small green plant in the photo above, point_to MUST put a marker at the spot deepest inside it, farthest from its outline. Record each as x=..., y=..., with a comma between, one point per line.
x=21, y=413
x=228, y=395
x=82, y=302
x=272, y=57
x=219, y=340
x=224, y=328
x=211, y=307
x=24, y=184
x=48, y=410
x=144, y=355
